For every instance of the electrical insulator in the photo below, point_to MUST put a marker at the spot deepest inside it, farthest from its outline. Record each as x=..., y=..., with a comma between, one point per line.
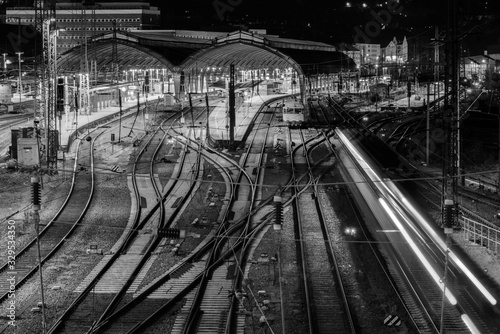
x=35, y=193
x=279, y=210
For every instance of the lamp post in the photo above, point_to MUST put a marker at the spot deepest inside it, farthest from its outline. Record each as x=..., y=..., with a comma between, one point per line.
x=376, y=88
x=4, y=63
x=19, y=87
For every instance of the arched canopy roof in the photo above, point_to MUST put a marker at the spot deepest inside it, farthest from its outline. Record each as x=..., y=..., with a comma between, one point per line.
x=242, y=55
x=130, y=55
x=191, y=51
x=249, y=51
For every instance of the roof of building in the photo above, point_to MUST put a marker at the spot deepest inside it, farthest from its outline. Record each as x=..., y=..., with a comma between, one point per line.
x=184, y=50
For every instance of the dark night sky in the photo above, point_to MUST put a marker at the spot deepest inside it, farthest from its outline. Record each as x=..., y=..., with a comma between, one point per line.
x=328, y=21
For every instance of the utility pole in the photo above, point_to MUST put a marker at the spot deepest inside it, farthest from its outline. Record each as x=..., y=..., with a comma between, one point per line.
x=232, y=111
x=427, y=132
x=191, y=108
x=451, y=121
x=120, y=120
x=20, y=83
x=208, y=116
x=436, y=63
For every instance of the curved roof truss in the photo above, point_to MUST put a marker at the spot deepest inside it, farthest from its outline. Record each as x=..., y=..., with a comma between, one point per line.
x=130, y=55
x=247, y=51
x=243, y=50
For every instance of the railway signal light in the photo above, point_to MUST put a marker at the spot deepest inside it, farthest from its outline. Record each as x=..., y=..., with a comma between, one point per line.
x=448, y=216
x=60, y=95
x=35, y=193
x=278, y=206
x=171, y=233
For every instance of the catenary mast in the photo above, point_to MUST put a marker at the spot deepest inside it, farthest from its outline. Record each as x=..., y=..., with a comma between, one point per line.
x=46, y=79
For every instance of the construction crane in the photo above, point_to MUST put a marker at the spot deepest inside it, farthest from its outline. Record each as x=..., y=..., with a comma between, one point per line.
x=46, y=81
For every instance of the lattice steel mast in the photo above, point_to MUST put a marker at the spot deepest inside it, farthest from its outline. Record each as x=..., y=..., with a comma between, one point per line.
x=453, y=113
x=114, y=61
x=46, y=78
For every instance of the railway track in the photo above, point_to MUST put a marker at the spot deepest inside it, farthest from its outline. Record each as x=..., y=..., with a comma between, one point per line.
x=113, y=277
x=87, y=308
x=253, y=162
x=325, y=297
x=199, y=279
x=59, y=229
x=162, y=295
x=201, y=317
x=417, y=278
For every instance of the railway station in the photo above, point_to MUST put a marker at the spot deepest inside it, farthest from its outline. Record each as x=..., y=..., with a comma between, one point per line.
x=191, y=181
x=198, y=62
x=178, y=66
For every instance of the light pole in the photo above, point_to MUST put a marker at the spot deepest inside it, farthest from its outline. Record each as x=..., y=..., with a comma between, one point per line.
x=19, y=87
x=376, y=88
x=4, y=63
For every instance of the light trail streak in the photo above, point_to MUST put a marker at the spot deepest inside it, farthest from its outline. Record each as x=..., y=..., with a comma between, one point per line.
x=396, y=193
x=466, y=319
x=417, y=252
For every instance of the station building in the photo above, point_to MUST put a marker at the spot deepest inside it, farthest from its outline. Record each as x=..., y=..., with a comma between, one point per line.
x=78, y=21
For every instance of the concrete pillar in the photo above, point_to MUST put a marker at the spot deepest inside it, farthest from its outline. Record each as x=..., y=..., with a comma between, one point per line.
x=196, y=82
x=190, y=82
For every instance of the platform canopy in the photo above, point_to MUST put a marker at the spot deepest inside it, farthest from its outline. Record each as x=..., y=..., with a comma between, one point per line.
x=184, y=50
x=128, y=54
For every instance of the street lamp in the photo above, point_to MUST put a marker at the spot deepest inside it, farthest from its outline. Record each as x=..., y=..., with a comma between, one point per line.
x=19, y=87
x=4, y=62
x=376, y=87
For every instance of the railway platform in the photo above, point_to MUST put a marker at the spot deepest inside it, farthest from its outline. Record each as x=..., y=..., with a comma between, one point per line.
x=71, y=121
x=219, y=119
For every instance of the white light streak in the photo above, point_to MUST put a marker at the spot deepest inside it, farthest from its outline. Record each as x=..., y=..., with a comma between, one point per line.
x=417, y=252
x=466, y=319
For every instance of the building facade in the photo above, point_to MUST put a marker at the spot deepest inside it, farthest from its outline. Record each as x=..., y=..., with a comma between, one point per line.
x=352, y=52
x=396, y=52
x=369, y=53
x=76, y=22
